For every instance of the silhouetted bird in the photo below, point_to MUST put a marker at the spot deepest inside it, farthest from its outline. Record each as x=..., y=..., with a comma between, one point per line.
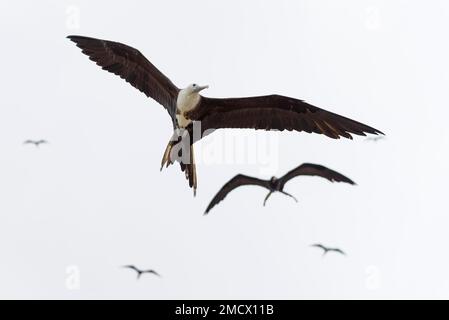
x=326, y=249
x=277, y=185
x=37, y=143
x=375, y=139
x=140, y=272
x=193, y=116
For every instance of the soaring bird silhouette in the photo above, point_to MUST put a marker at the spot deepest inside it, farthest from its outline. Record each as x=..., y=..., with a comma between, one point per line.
x=277, y=185
x=327, y=249
x=140, y=272
x=37, y=143
x=375, y=138
x=193, y=116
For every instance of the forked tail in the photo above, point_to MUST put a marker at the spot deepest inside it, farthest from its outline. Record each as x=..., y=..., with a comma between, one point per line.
x=188, y=168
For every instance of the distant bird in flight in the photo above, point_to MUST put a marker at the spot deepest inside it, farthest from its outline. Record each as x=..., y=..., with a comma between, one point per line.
x=140, y=272
x=326, y=249
x=375, y=138
x=37, y=143
x=194, y=116
x=277, y=185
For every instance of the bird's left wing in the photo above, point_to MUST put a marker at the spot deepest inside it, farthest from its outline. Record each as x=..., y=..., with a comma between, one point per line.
x=129, y=64
x=152, y=272
x=339, y=251
x=274, y=112
x=310, y=169
x=237, y=181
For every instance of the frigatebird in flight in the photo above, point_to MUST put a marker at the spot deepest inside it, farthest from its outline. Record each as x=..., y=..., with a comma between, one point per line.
x=140, y=272
x=375, y=138
x=194, y=116
x=37, y=143
x=278, y=184
x=327, y=249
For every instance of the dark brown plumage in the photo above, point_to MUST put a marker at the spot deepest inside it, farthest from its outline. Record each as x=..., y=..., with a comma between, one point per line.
x=130, y=65
x=271, y=112
x=277, y=185
x=274, y=112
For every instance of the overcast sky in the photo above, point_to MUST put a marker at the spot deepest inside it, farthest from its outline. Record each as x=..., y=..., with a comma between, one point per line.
x=73, y=211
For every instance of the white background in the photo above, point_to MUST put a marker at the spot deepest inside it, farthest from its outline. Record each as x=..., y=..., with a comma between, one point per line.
x=74, y=211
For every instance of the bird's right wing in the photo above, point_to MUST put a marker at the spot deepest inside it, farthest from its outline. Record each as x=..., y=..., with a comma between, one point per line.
x=152, y=272
x=237, y=181
x=129, y=64
x=309, y=169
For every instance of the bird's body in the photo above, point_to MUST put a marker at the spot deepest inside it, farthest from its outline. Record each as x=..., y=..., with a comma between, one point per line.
x=278, y=184
x=140, y=272
x=36, y=143
x=186, y=101
x=327, y=249
x=194, y=116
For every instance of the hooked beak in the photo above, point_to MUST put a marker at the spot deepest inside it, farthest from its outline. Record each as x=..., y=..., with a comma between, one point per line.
x=201, y=88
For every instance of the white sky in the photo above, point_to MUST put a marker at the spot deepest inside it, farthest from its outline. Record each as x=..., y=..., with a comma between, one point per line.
x=94, y=199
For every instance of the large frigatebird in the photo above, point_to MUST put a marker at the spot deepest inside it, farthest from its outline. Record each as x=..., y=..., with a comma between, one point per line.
x=194, y=116
x=278, y=184
x=140, y=272
x=37, y=143
x=327, y=249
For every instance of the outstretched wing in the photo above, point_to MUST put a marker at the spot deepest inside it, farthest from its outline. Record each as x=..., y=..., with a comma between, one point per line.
x=319, y=245
x=274, y=112
x=310, y=169
x=132, y=268
x=237, y=181
x=152, y=272
x=129, y=64
x=339, y=251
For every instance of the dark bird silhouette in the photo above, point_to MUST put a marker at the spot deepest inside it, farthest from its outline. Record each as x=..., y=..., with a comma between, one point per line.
x=326, y=249
x=277, y=185
x=375, y=138
x=37, y=143
x=193, y=116
x=140, y=272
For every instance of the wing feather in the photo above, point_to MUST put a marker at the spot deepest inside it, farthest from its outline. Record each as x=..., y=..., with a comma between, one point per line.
x=310, y=169
x=237, y=181
x=274, y=112
x=129, y=64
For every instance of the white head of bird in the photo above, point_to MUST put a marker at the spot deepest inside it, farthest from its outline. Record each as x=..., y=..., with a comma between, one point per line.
x=188, y=99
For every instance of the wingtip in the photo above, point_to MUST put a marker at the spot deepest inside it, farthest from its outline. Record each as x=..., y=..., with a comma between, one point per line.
x=72, y=37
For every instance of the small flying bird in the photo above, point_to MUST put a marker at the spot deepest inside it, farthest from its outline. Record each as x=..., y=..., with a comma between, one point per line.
x=194, y=116
x=140, y=272
x=326, y=249
x=277, y=184
x=37, y=143
x=375, y=138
